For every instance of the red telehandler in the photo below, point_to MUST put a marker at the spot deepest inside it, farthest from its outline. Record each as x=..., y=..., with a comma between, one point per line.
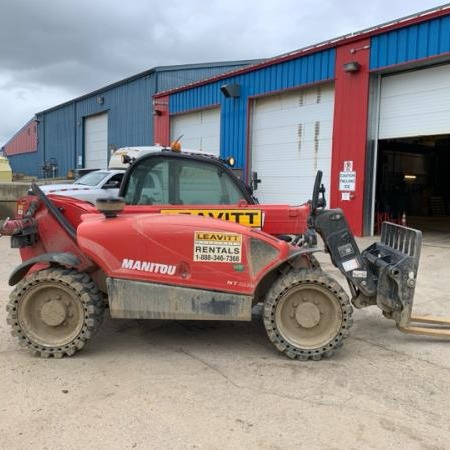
x=77, y=259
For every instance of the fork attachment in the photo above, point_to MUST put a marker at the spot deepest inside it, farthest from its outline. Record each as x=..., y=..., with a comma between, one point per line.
x=394, y=262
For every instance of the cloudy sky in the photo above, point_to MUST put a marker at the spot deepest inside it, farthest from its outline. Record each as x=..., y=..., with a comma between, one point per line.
x=55, y=50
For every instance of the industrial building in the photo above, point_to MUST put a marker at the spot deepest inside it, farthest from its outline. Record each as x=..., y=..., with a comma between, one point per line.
x=83, y=132
x=370, y=109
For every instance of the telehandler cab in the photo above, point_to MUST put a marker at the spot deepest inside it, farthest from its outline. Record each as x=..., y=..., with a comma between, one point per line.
x=186, y=267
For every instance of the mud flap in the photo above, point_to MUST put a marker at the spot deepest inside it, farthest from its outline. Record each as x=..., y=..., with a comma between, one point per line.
x=395, y=261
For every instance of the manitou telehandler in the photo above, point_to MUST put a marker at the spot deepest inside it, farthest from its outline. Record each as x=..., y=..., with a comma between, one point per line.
x=77, y=260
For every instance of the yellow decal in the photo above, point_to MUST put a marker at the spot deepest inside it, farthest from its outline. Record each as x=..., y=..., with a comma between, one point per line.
x=217, y=247
x=248, y=217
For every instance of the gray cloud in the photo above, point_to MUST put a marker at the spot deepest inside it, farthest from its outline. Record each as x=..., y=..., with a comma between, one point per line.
x=55, y=50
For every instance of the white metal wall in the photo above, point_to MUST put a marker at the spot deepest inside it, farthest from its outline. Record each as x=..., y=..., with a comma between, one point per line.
x=291, y=138
x=200, y=130
x=415, y=103
x=96, y=141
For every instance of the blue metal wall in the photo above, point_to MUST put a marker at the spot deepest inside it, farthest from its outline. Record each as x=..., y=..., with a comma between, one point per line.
x=56, y=138
x=411, y=43
x=308, y=69
x=129, y=109
x=130, y=114
x=27, y=163
x=130, y=122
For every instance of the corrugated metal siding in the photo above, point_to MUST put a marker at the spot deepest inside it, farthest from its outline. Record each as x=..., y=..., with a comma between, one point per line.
x=57, y=138
x=130, y=116
x=161, y=128
x=129, y=108
x=427, y=39
x=289, y=74
x=27, y=163
x=24, y=141
x=171, y=79
x=130, y=122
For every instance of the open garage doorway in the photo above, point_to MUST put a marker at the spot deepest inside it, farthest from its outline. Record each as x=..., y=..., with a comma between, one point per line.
x=413, y=182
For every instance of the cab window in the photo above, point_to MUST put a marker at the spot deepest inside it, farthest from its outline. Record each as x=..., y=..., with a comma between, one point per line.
x=206, y=184
x=180, y=182
x=148, y=184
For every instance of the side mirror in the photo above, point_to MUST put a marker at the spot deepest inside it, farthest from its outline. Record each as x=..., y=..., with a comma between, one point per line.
x=255, y=181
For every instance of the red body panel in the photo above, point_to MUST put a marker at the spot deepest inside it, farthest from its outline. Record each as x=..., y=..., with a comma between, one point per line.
x=277, y=219
x=162, y=249
x=53, y=238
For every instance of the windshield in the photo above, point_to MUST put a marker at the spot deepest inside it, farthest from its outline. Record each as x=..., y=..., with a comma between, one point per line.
x=92, y=179
x=159, y=181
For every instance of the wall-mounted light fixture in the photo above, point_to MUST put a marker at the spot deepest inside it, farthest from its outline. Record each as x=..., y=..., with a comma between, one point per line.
x=230, y=90
x=100, y=100
x=352, y=66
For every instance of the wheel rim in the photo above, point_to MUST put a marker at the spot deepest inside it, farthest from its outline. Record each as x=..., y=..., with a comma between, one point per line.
x=51, y=315
x=308, y=316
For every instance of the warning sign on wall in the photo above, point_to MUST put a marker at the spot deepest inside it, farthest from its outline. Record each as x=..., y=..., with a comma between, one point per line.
x=347, y=181
x=348, y=166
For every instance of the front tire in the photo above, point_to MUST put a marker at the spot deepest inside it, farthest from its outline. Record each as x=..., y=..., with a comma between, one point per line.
x=307, y=315
x=54, y=312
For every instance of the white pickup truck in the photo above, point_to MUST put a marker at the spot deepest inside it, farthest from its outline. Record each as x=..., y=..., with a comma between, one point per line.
x=105, y=183
x=90, y=187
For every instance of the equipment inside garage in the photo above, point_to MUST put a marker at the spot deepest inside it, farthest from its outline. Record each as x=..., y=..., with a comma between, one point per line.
x=413, y=180
x=413, y=147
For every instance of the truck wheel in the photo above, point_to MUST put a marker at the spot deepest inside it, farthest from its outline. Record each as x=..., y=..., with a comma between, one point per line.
x=54, y=312
x=307, y=314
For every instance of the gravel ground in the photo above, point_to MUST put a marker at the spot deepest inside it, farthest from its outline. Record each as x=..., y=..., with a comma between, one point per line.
x=146, y=384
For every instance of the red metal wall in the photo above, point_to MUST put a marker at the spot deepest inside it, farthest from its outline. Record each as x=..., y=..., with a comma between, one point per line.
x=350, y=129
x=161, y=122
x=24, y=141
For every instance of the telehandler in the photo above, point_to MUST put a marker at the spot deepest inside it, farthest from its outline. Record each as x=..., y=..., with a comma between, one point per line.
x=77, y=260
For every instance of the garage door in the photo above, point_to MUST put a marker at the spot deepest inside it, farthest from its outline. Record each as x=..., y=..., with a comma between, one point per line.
x=96, y=141
x=200, y=130
x=290, y=140
x=415, y=103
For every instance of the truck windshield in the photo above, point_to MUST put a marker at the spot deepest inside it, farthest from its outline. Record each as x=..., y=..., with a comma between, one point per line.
x=92, y=179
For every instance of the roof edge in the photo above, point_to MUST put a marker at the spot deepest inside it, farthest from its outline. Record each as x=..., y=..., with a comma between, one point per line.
x=144, y=74
x=411, y=19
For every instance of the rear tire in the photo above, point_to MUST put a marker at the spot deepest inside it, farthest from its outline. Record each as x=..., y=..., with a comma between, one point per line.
x=54, y=312
x=307, y=315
